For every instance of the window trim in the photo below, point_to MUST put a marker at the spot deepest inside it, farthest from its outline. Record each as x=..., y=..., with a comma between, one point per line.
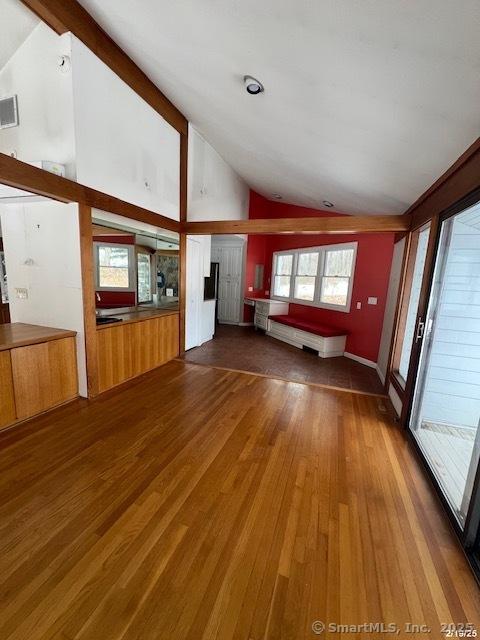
x=140, y=251
x=322, y=251
x=131, y=267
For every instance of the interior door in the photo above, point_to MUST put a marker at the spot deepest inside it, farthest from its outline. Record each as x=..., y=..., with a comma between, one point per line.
x=193, y=294
x=445, y=416
x=230, y=283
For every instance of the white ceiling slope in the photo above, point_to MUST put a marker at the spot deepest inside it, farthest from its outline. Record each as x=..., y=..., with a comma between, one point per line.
x=16, y=24
x=366, y=103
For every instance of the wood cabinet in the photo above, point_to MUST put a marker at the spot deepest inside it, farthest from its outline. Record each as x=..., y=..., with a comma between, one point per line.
x=7, y=398
x=44, y=376
x=38, y=370
x=125, y=351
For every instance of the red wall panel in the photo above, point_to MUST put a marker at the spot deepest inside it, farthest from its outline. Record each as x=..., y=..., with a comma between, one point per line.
x=372, y=271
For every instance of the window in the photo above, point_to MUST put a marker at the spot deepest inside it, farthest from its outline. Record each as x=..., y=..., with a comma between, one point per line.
x=337, y=273
x=283, y=264
x=318, y=276
x=305, y=276
x=144, y=277
x=114, y=267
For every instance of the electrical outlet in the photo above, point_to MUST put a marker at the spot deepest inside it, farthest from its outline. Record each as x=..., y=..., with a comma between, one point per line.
x=372, y=300
x=359, y=305
x=250, y=289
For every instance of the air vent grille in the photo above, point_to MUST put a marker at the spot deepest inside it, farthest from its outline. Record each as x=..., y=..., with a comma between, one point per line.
x=8, y=112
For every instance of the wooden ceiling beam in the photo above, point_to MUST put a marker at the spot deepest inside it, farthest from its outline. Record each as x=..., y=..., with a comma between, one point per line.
x=22, y=175
x=334, y=224
x=69, y=15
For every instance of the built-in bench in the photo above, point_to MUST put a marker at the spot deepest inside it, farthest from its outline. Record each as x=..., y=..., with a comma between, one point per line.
x=328, y=341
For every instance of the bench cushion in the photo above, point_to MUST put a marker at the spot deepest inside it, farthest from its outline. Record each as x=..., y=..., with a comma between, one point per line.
x=312, y=327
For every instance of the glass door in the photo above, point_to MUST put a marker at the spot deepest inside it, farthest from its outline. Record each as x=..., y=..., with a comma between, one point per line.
x=445, y=416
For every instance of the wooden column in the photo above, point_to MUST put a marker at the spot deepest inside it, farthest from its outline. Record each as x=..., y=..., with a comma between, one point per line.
x=183, y=283
x=88, y=286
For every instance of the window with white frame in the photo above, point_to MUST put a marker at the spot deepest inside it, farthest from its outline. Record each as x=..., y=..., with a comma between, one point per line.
x=315, y=276
x=114, y=267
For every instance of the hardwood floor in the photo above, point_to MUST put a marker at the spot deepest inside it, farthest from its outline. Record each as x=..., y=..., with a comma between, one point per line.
x=245, y=349
x=196, y=503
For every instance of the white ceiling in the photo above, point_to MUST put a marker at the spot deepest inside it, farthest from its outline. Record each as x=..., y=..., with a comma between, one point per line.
x=366, y=103
x=16, y=24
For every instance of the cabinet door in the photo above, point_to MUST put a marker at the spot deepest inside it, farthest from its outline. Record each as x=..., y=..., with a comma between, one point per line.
x=44, y=375
x=7, y=401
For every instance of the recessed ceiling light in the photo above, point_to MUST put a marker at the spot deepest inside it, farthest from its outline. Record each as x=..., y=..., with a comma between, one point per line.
x=277, y=196
x=327, y=203
x=253, y=86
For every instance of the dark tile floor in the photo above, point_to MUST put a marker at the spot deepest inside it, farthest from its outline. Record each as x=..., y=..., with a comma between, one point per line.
x=245, y=349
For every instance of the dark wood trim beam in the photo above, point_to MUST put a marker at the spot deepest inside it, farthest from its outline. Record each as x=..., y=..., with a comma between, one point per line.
x=69, y=15
x=334, y=224
x=183, y=176
x=21, y=175
x=457, y=182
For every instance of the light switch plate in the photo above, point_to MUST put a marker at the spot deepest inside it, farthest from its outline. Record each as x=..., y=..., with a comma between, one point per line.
x=250, y=288
x=21, y=293
x=372, y=300
x=359, y=305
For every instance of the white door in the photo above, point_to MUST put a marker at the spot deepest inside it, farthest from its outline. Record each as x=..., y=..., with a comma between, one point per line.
x=230, y=283
x=194, y=295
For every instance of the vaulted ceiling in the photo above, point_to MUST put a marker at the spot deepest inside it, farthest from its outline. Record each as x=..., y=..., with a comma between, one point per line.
x=366, y=103
x=16, y=24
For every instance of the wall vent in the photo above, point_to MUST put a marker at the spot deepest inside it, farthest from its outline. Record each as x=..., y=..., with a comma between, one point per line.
x=8, y=112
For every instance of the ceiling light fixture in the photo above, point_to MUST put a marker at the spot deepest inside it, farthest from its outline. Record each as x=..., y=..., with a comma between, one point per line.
x=253, y=86
x=327, y=203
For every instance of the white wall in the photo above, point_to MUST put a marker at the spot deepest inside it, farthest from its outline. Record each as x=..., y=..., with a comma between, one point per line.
x=200, y=313
x=42, y=253
x=215, y=191
x=45, y=101
x=390, y=306
x=123, y=146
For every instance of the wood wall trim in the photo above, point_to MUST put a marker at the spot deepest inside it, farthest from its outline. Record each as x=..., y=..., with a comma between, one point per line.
x=183, y=284
x=457, y=182
x=183, y=176
x=69, y=15
x=21, y=175
x=334, y=224
x=88, y=287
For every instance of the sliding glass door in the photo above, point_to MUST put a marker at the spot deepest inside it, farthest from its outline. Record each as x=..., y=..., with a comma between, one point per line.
x=445, y=416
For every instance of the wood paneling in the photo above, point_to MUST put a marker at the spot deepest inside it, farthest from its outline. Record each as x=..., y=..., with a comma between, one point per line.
x=7, y=397
x=458, y=181
x=334, y=224
x=205, y=504
x=127, y=351
x=44, y=375
x=21, y=175
x=69, y=15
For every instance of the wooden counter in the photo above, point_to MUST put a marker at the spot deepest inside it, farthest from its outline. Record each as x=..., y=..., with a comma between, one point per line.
x=139, y=316
x=143, y=341
x=38, y=370
x=18, y=334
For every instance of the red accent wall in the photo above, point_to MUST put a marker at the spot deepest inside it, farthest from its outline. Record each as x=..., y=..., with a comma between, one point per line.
x=372, y=271
x=115, y=299
x=260, y=207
